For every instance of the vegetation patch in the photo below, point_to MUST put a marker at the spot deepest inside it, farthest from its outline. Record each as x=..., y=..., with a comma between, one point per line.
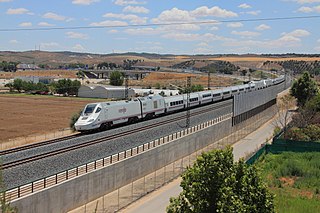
x=295, y=180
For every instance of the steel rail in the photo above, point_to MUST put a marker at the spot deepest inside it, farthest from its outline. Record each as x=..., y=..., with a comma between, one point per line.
x=34, y=145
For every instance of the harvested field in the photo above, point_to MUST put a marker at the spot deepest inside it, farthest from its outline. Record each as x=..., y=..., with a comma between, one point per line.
x=24, y=115
x=179, y=79
x=42, y=73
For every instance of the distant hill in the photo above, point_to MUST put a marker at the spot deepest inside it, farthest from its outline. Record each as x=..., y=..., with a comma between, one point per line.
x=56, y=59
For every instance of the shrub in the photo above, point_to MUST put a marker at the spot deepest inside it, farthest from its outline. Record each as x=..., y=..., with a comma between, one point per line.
x=74, y=119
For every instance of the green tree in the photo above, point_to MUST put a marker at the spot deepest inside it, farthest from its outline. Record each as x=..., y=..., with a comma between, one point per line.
x=66, y=87
x=116, y=78
x=216, y=184
x=304, y=89
x=18, y=84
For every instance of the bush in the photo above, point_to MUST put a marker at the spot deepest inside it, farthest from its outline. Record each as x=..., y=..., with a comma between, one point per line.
x=296, y=134
x=74, y=119
x=116, y=78
x=313, y=132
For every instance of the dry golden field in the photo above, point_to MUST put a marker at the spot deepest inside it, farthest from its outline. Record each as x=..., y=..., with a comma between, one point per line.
x=23, y=115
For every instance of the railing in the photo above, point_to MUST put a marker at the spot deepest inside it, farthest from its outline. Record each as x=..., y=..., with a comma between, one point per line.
x=49, y=181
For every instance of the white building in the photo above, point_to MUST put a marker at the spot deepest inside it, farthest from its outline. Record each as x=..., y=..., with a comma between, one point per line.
x=101, y=91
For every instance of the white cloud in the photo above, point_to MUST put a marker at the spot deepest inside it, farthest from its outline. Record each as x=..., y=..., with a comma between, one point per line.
x=245, y=33
x=174, y=15
x=235, y=24
x=305, y=9
x=142, y=31
x=49, y=45
x=113, y=31
x=109, y=23
x=45, y=24
x=132, y=18
x=214, y=28
x=54, y=16
x=263, y=27
x=25, y=24
x=289, y=38
x=203, y=44
x=5, y=1
x=307, y=1
x=13, y=41
x=135, y=9
x=202, y=50
x=127, y=2
x=18, y=11
x=297, y=33
x=318, y=40
x=213, y=11
x=193, y=37
x=77, y=35
x=244, y=6
x=78, y=47
x=84, y=2
x=254, y=13
x=309, y=9
x=180, y=27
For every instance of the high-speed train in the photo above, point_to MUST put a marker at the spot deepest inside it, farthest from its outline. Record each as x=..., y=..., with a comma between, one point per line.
x=103, y=115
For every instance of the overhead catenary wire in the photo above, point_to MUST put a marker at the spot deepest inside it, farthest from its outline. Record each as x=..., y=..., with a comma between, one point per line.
x=159, y=24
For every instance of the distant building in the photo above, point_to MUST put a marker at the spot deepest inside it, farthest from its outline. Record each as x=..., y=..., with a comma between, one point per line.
x=36, y=79
x=101, y=91
x=27, y=67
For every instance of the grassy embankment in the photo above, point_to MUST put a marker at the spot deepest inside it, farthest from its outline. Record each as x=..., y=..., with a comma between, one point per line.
x=295, y=180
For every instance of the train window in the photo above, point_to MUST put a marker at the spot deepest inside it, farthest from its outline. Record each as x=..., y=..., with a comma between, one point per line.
x=98, y=110
x=226, y=93
x=171, y=103
x=216, y=95
x=89, y=109
x=234, y=91
x=206, y=95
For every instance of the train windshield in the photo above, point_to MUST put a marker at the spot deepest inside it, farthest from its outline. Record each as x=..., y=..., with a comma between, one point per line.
x=89, y=109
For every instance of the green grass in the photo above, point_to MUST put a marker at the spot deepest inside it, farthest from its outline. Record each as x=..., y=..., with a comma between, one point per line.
x=286, y=203
x=295, y=180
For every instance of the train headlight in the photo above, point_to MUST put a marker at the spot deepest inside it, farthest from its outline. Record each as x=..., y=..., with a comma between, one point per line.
x=89, y=121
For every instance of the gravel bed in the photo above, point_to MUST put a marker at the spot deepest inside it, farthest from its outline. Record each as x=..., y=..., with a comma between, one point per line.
x=36, y=170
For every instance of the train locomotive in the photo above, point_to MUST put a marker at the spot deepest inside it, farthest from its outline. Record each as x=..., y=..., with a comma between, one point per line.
x=103, y=115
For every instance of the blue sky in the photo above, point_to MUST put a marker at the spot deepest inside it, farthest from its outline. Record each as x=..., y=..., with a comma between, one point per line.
x=298, y=35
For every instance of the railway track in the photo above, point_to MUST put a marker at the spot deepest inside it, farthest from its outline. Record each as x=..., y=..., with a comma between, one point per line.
x=103, y=139
x=35, y=145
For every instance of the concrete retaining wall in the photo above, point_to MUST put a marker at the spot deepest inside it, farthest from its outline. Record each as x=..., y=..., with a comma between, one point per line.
x=83, y=189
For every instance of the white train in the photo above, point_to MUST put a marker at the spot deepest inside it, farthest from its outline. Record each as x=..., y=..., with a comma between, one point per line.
x=103, y=115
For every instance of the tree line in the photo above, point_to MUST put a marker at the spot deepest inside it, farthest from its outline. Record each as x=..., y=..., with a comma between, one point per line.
x=65, y=87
